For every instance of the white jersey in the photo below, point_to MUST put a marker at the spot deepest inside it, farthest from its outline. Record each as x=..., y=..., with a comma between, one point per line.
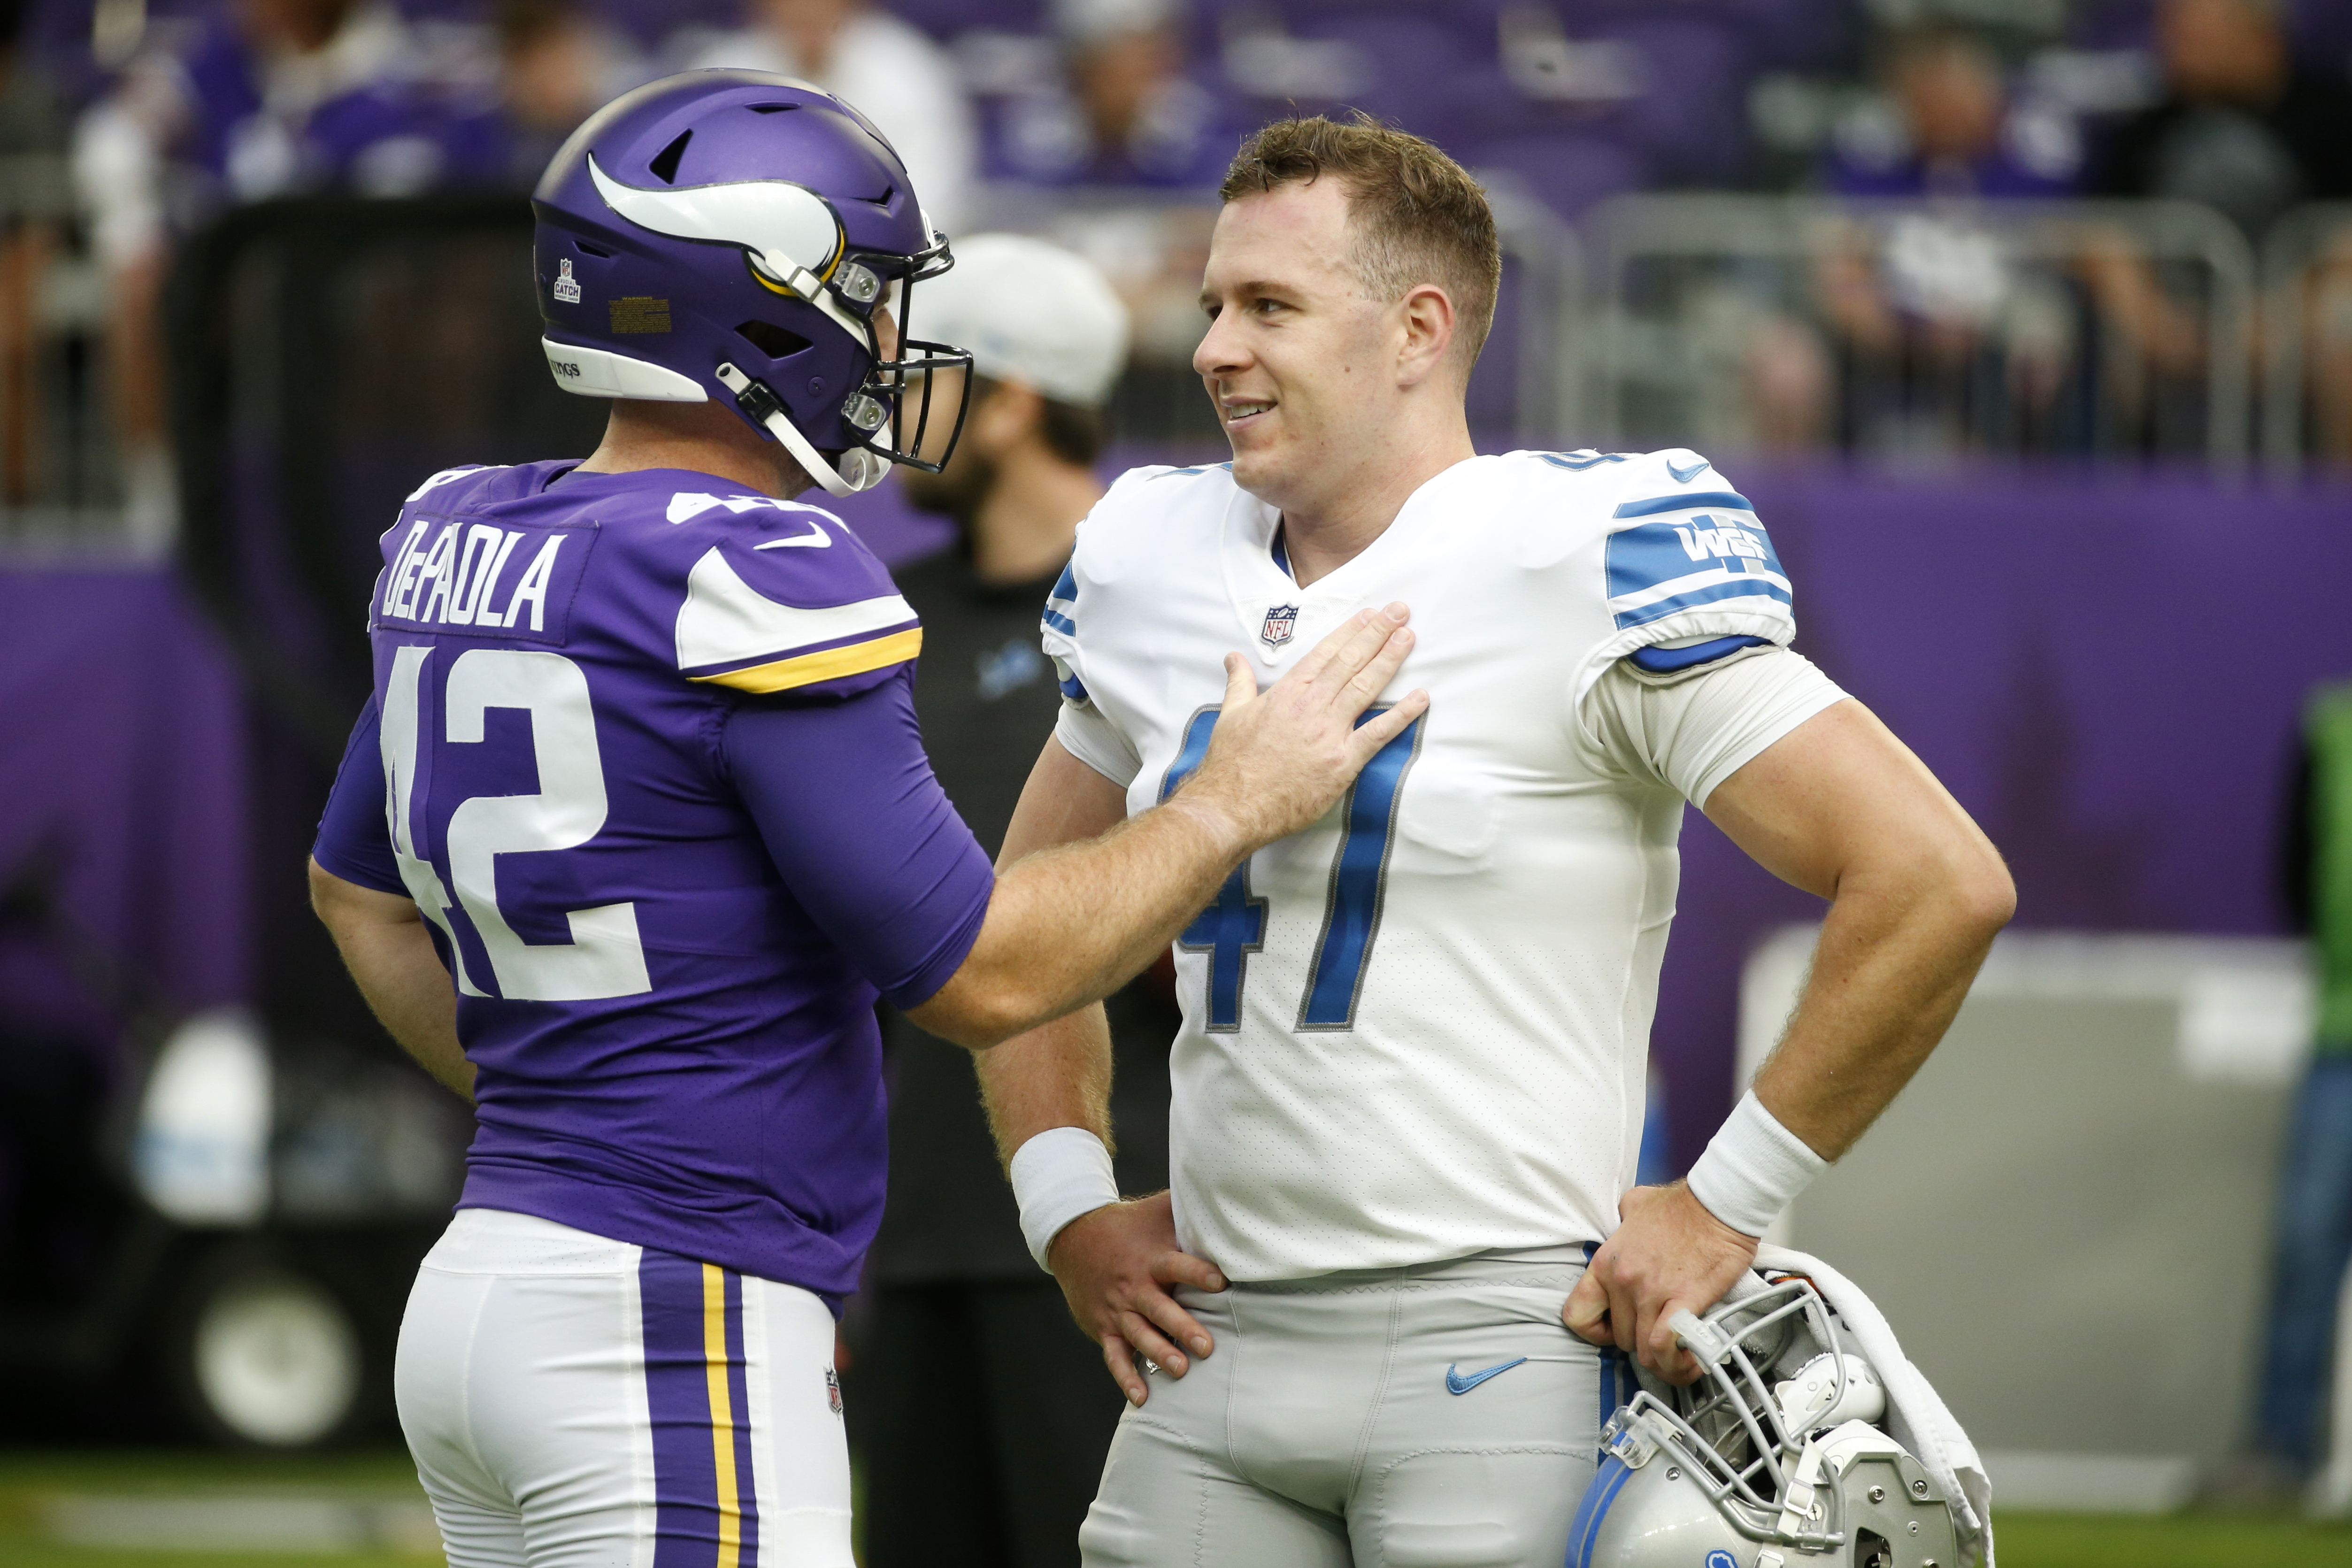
x=1417, y=1029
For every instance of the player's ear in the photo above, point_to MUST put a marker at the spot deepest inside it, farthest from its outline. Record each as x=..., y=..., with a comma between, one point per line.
x=1426, y=315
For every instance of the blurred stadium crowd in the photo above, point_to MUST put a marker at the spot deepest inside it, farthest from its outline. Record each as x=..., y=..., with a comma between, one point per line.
x=1698, y=192
x=1924, y=233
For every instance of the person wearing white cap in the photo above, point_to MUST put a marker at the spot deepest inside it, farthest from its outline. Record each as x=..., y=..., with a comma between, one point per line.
x=972, y=1389
x=1048, y=338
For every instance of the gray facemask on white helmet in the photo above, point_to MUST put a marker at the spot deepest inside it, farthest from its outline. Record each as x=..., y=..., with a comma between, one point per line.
x=1777, y=1457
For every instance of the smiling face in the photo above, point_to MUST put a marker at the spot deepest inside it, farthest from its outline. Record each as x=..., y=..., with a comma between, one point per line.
x=1299, y=359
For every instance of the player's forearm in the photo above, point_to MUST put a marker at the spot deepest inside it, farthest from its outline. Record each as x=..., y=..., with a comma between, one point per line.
x=392, y=961
x=1072, y=924
x=1057, y=1075
x=410, y=994
x=1897, y=954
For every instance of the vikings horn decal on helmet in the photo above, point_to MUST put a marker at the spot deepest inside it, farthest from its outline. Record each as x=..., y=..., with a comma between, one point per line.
x=741, y=236
x=1775, y=1458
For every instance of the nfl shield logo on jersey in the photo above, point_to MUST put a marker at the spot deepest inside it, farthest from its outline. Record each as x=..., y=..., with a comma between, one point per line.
x=1280, y=622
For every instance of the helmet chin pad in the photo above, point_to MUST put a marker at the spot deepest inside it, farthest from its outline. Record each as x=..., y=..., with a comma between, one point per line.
x=600, y=372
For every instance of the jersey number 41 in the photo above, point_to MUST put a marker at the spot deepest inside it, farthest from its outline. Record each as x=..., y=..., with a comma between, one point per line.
x=1234, y=926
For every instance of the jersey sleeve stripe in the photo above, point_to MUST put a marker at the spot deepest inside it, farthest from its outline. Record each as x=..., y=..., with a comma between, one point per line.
x=1758, y=580
x=1727, y=585
x=724, y=621
x=1061, y=610
x=1656, y=504
x=805, y=669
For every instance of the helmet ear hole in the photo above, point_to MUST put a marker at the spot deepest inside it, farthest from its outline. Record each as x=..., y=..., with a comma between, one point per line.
x=665, y=163
x=771, y=340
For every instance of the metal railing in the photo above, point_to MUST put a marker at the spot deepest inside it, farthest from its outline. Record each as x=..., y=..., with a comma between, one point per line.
x=1920, y=328
x=2307, y=340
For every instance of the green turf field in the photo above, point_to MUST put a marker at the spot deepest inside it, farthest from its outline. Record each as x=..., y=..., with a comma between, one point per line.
x=371, y=1501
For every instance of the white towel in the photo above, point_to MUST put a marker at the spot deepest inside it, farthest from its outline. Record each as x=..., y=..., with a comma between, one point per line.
x=1915, y=1415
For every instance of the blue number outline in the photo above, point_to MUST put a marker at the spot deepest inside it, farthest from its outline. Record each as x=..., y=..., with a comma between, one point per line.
x=1357, y=893
x=1235, y=920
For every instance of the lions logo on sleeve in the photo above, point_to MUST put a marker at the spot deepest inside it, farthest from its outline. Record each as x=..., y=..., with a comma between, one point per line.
x=1690, y=577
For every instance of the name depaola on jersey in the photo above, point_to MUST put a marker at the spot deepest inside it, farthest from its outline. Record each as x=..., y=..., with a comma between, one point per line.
x=455, y=581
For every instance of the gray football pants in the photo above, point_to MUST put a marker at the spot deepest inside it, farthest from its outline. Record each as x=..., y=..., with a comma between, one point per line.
x=1326, y=1431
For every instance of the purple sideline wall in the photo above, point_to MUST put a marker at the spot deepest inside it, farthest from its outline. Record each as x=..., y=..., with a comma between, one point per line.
x=123, y=756
x=2105, y=669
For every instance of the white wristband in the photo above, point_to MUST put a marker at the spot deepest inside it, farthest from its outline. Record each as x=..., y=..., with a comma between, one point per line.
x=1752, y=1168
x=1057, y=1175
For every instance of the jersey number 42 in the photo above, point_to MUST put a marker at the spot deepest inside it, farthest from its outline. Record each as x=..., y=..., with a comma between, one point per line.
x=605, y=957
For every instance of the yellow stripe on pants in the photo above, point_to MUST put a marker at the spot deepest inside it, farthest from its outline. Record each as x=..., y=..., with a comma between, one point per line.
x=722, y=1414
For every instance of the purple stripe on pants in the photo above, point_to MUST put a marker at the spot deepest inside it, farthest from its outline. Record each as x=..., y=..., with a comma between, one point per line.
x=704, y=1513
x=739, y=1401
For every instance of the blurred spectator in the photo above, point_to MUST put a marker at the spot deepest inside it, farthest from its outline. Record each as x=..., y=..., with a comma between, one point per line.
x=31, y=134
x=886, y=70
x=980, y=1395
x=2241, y=127
x=1952, y=132
x=1123, y=112
x=1942, y=343
x=556, y=66
x=263, y=98
x=259, y=99
x=2315, y=1201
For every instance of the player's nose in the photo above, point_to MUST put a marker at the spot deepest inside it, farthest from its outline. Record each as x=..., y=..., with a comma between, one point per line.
x=1220, y=352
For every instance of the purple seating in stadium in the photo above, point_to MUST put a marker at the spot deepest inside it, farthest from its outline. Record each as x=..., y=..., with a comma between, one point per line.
x=943, y=19
x=1413, y=63
x=1567, y=170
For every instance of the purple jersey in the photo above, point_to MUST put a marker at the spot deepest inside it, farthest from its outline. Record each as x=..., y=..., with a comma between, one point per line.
x=643, y=750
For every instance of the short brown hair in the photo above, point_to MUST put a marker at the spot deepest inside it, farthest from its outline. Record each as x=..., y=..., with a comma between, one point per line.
x=1418, y=217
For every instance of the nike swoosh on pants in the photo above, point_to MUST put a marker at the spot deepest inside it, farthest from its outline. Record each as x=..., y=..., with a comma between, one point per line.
x=1457, y=1384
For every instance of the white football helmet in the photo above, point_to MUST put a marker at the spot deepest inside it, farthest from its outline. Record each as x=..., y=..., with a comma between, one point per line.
x=1774, y=1458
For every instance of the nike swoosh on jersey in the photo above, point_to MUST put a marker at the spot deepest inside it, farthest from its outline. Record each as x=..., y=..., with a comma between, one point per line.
x=1684, y=476
x=1457, y=1384
x=816, y=538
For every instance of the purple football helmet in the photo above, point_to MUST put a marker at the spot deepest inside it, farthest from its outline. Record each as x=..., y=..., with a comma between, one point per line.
x=730, y=235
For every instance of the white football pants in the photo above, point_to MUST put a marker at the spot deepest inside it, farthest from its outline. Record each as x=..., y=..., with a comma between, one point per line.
x=1436, y=1418
x=572, y=1401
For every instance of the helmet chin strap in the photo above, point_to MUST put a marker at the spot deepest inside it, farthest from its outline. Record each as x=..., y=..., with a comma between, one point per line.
x=860, y=470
